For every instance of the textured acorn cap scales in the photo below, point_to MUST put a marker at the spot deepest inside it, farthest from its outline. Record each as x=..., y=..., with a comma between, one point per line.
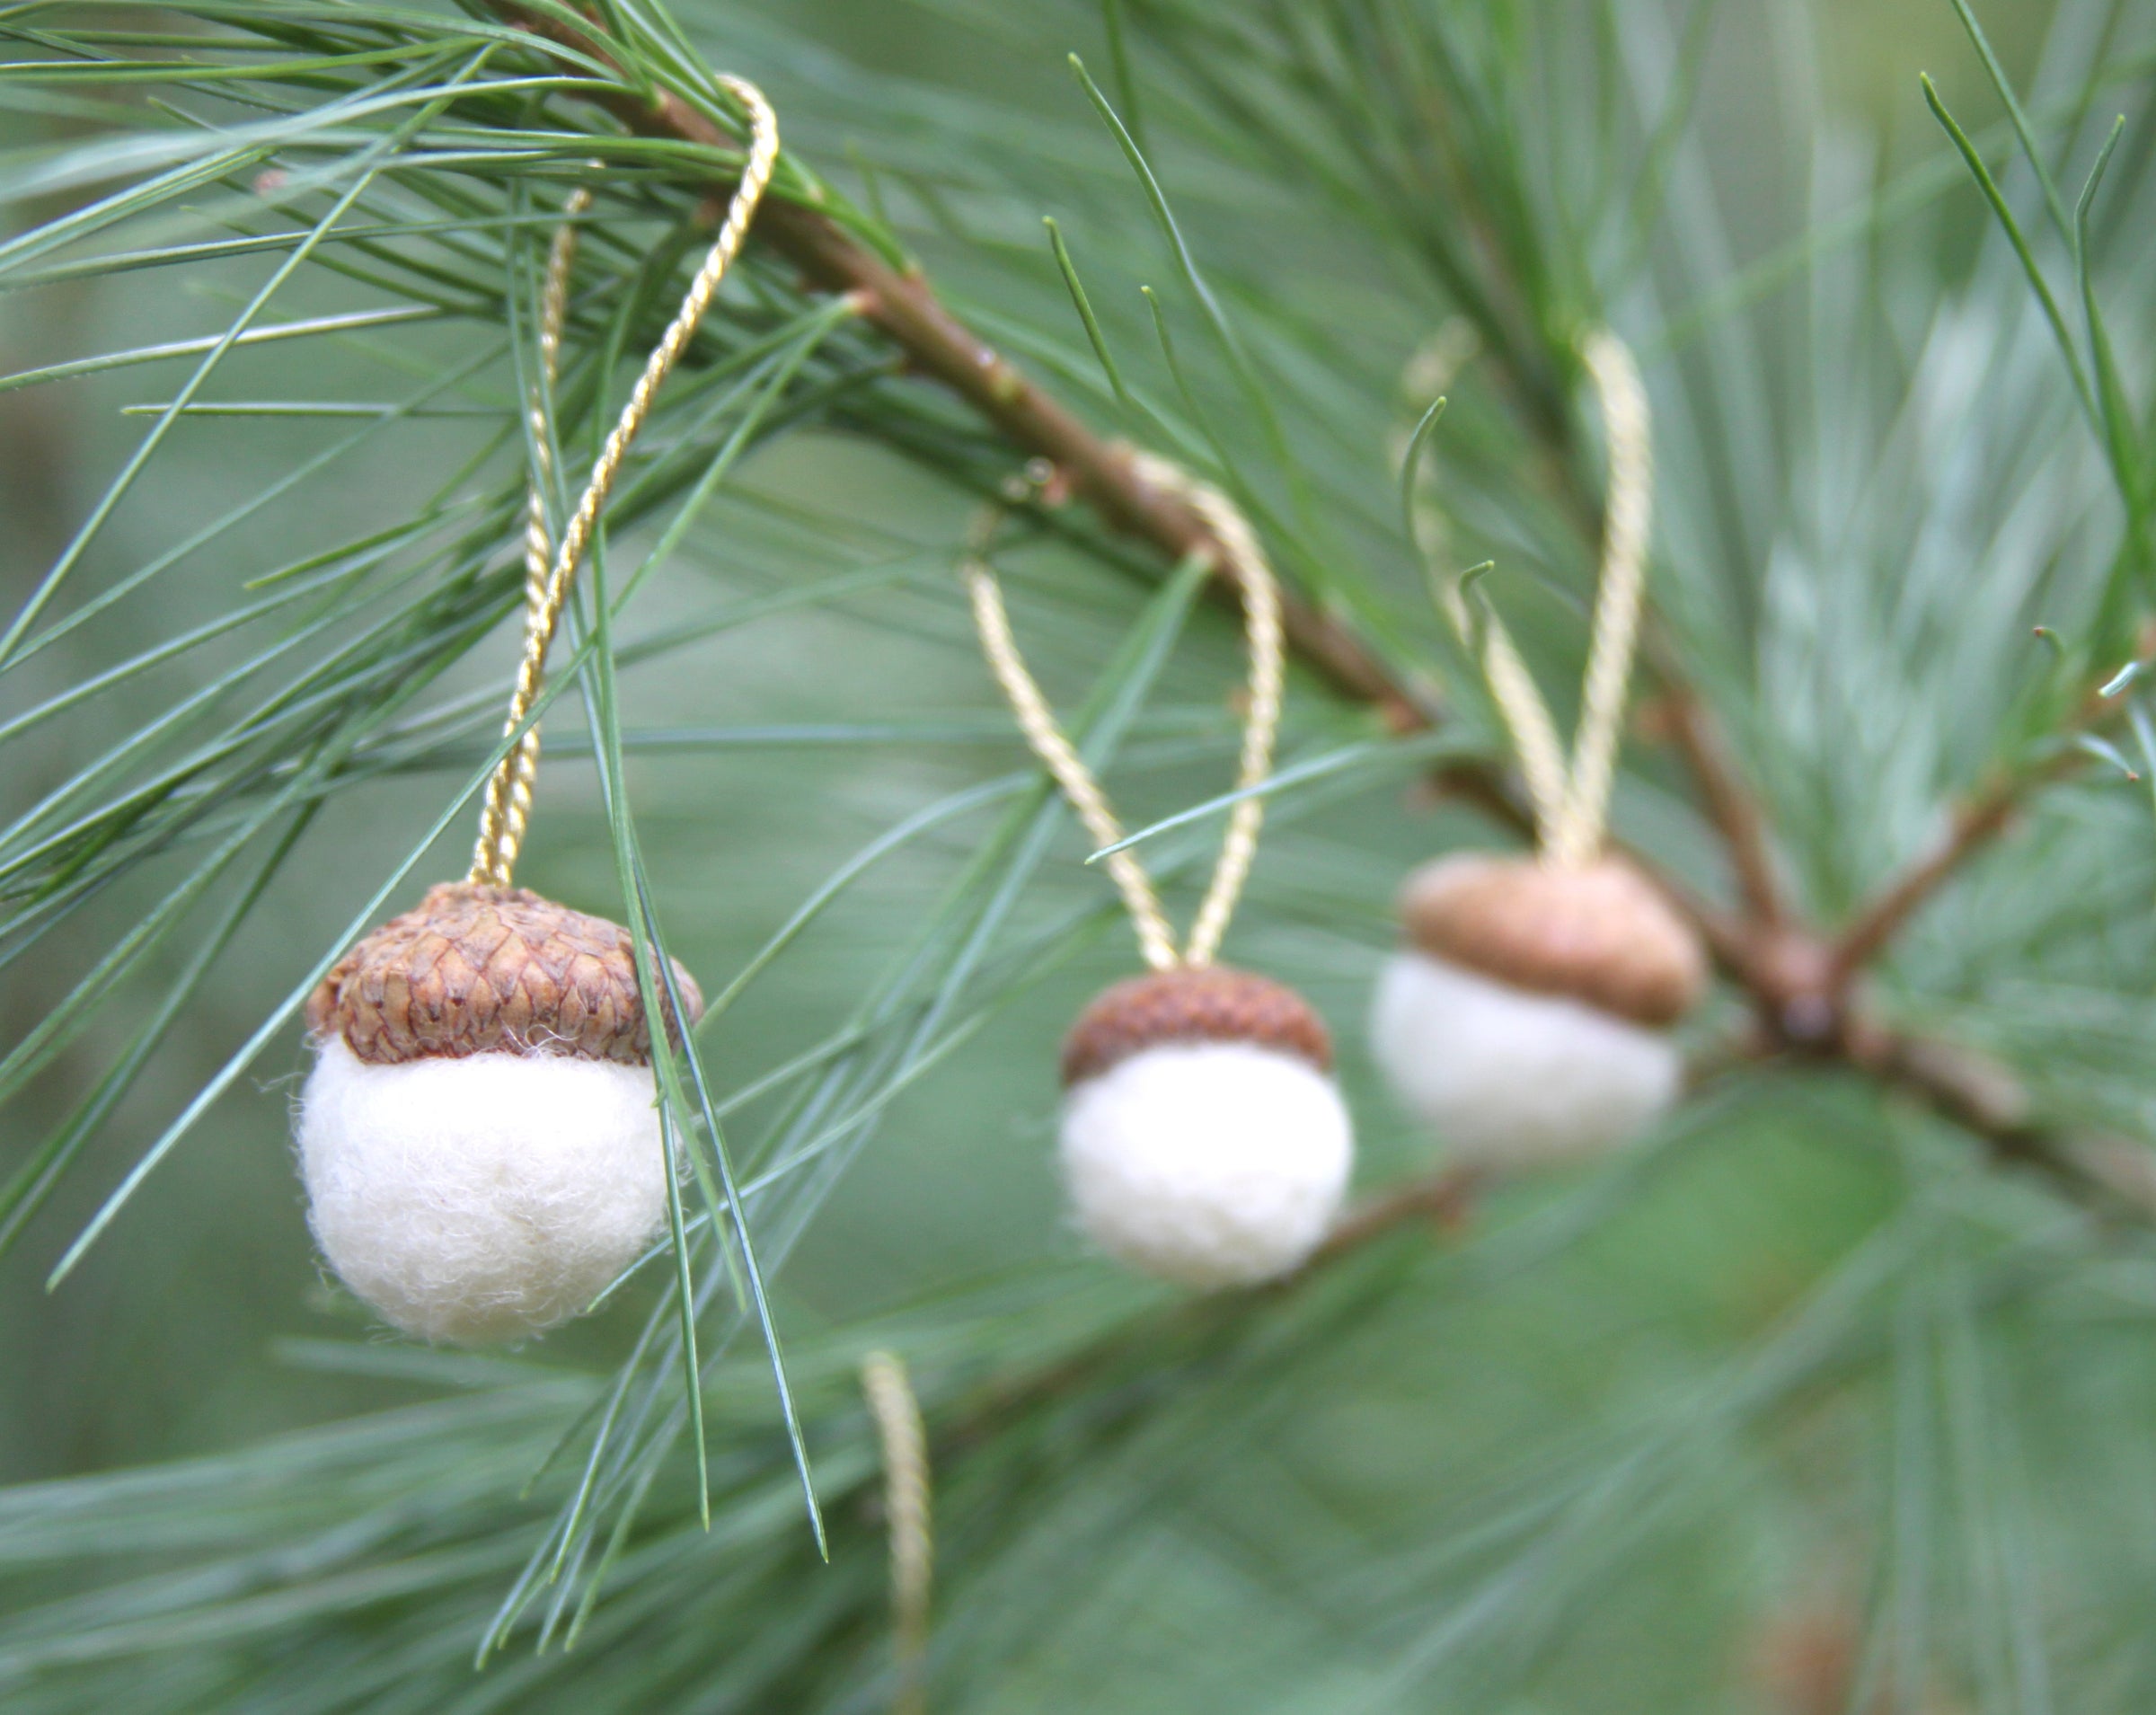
x=1209, y=1005
x=1599, y=932
x=480, y=969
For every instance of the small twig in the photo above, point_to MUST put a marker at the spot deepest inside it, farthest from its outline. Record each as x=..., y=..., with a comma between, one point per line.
x=1974, y=823
x=1728, y=802
x=2111, y=1176
x=1444, y=1199
x=1441, y=1199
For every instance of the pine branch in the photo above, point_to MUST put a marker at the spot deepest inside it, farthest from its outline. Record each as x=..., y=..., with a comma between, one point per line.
x=1797, y=980
x=905, y=308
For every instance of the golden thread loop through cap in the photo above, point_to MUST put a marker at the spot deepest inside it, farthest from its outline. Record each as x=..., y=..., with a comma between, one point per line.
x=1621, y=593
x=1238, y=546
x=1571, y=797
x=507, y=809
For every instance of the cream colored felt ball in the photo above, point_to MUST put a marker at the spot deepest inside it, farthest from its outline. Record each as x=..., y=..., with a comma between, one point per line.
x=1207, y=1163
x=1506, y=1079
x=1203, y=1139
x=480, y=1137
x=480, y=1199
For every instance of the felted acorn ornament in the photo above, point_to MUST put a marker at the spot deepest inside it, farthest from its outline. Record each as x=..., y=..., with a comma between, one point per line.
x=1202, y=1139
x=479, y=1136
x=1526, y=1019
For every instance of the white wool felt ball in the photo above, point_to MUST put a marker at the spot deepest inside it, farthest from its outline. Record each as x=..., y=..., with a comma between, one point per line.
x=1208, y=1164
x=481, y=1198
x=1509, y=1079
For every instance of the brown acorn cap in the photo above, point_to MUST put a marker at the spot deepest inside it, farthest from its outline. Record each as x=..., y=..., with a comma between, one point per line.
x=479, y=969
x=1600, y=933
x=1209, y=1005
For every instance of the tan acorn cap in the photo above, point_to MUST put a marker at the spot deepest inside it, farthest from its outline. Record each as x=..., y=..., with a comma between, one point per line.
x=1601, y=933
x=479, y=969
x=1212, y=1004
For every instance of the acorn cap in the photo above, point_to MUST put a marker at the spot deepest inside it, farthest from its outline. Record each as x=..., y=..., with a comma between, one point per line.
x=1208, y=1005
x=1600, y=933
x=479, y=969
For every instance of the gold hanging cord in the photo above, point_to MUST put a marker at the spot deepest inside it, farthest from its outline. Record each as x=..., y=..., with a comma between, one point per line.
x=1571, y=797
x=548, y=571
x=1261, y=721
x=906, y=1505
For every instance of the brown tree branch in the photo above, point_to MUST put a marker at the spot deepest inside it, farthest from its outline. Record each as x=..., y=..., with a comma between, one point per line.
x=2111, y=1176
x=902, y=306
x=1439, y=1200
x=1974, y=824
x=1442, y=1201
x=1728, y=801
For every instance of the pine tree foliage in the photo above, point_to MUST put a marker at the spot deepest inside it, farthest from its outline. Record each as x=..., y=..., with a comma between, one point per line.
x=1833, y=1397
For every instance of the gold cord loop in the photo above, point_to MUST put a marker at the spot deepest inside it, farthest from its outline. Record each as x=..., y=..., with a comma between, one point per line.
x=507, y=810
x=1571, y=796
x=508, y=806
x=1260, y=594
x=1261, y=717
x=1157, y=941
x=1526, y=717
x=1627, y=514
